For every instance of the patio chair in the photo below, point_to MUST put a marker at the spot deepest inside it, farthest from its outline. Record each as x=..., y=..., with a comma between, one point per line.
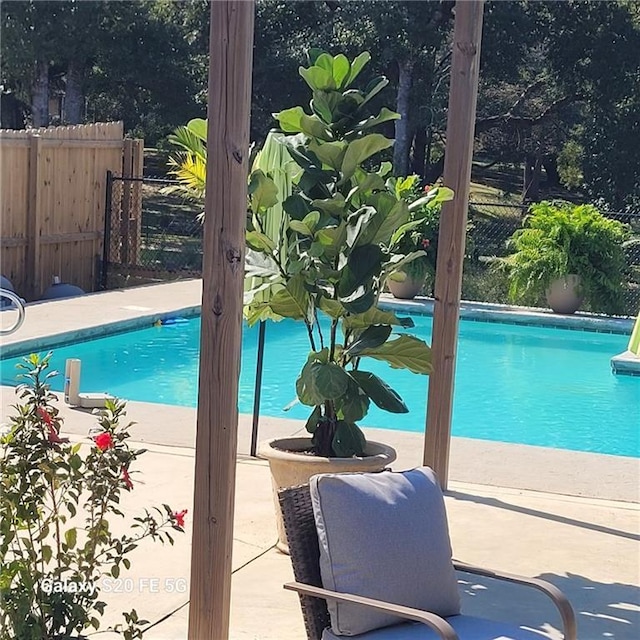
x=374, y=562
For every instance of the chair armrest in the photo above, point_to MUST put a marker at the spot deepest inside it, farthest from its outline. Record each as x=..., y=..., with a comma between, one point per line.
x=559, y=599
x=438, y=624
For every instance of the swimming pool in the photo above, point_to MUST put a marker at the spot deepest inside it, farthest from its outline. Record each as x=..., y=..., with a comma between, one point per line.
x=531, y=385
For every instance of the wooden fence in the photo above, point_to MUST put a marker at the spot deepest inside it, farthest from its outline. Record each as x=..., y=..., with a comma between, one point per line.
x=52, y=202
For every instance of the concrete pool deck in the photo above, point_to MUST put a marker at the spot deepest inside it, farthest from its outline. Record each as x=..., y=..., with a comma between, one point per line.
x=572, y=518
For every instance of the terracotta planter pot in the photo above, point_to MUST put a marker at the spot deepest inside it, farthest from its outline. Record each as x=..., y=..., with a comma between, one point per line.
x=409, y=288
x=564, y=294
x=292, y=465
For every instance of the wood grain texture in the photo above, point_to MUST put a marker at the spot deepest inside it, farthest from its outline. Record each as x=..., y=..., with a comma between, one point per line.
x=231, y=45
x=463, y=93
x=64, y=183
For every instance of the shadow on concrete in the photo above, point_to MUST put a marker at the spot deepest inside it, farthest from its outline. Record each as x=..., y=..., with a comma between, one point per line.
x=554, y=517
x=602, y=610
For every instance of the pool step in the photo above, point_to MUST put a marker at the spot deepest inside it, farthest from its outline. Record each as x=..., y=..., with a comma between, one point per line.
x=626, y=363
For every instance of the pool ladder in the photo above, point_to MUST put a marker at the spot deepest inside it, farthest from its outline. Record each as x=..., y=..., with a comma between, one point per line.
x=17, y=302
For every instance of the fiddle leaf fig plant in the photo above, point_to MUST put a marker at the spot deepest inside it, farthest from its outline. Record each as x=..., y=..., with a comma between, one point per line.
x=343, y=221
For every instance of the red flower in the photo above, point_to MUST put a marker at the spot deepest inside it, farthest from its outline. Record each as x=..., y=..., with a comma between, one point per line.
x=52, y=430
x=428, y=188
x=45, y=416
x=425, y=243
x=126, y=478
x=178, y=517
x=103, y=441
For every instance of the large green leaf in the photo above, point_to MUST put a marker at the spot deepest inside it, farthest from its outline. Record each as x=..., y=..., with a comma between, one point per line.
x=362, y=149
x=385, y=115
x=370, y=338
x=333, y=206
x=300, y=227
x=357, y=222
x=356, y=67
x=375, y=316
x=354, y=404
x=260, y=242
x=362, y=299
x=374, y=88
x=348, y=440
x=405, y=352
x=293, y=301
x=379, y=391
x=263, y=192
x=362, y=265
x=330, y=380
x=398, y=215
x=259, y=265
x=438, y=195
x=317, y=78
x=198, y=127
x=296, y=206
x=295, y=120
x=341, y=69
x=330, y=153
x=332, y=308
x=305, y=387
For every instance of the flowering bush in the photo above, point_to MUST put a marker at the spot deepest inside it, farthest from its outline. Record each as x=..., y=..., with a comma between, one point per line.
x=421, y=232
x=56, y=503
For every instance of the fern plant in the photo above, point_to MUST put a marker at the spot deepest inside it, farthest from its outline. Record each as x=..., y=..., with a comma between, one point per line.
x=558, y=239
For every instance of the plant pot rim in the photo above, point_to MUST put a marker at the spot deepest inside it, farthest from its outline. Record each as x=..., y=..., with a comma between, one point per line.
x=295, y=448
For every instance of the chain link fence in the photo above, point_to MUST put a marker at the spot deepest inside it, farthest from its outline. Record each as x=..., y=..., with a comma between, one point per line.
x=153, y=235
x=491, y=224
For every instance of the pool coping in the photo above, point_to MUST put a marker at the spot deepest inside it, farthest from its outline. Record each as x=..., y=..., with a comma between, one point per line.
x=475, y=311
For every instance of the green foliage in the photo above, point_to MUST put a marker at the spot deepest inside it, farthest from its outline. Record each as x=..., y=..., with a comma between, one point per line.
x=570, y=164
x=558, y=239
x=333, y=251
x=189, y=163
x=420, y=233
x=57, y=502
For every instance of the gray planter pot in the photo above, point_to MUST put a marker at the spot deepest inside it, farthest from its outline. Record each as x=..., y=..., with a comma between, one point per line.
x=406, y=289
x=564, y=295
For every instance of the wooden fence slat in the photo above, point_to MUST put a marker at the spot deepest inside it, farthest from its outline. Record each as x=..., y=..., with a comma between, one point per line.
x=32, y=254
x=52, y=202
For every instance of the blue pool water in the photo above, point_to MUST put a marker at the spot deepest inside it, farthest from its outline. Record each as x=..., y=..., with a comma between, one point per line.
x=530, y=385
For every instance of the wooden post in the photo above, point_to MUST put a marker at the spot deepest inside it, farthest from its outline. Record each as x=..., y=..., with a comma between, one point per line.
x=230, y=51
x=34, y=216
x=453, y=222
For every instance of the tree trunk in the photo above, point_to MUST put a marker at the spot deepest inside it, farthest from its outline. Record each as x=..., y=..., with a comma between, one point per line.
x=403, y=138
x=550, y=164
x=434, y=171
x=40, y=96
x=531, y=187
x=74, y=94
x=419, y=151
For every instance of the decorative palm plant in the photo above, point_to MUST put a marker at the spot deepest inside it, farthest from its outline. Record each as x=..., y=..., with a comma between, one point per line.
x=338, y=245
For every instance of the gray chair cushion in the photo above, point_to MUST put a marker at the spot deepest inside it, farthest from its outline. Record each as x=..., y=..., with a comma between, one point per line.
x=467, y=628
x=383, y=535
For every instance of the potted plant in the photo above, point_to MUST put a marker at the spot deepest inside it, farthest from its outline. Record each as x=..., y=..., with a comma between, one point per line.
x=421, y=235
x=57, y=504
x=567, y=253
x=327, y=266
